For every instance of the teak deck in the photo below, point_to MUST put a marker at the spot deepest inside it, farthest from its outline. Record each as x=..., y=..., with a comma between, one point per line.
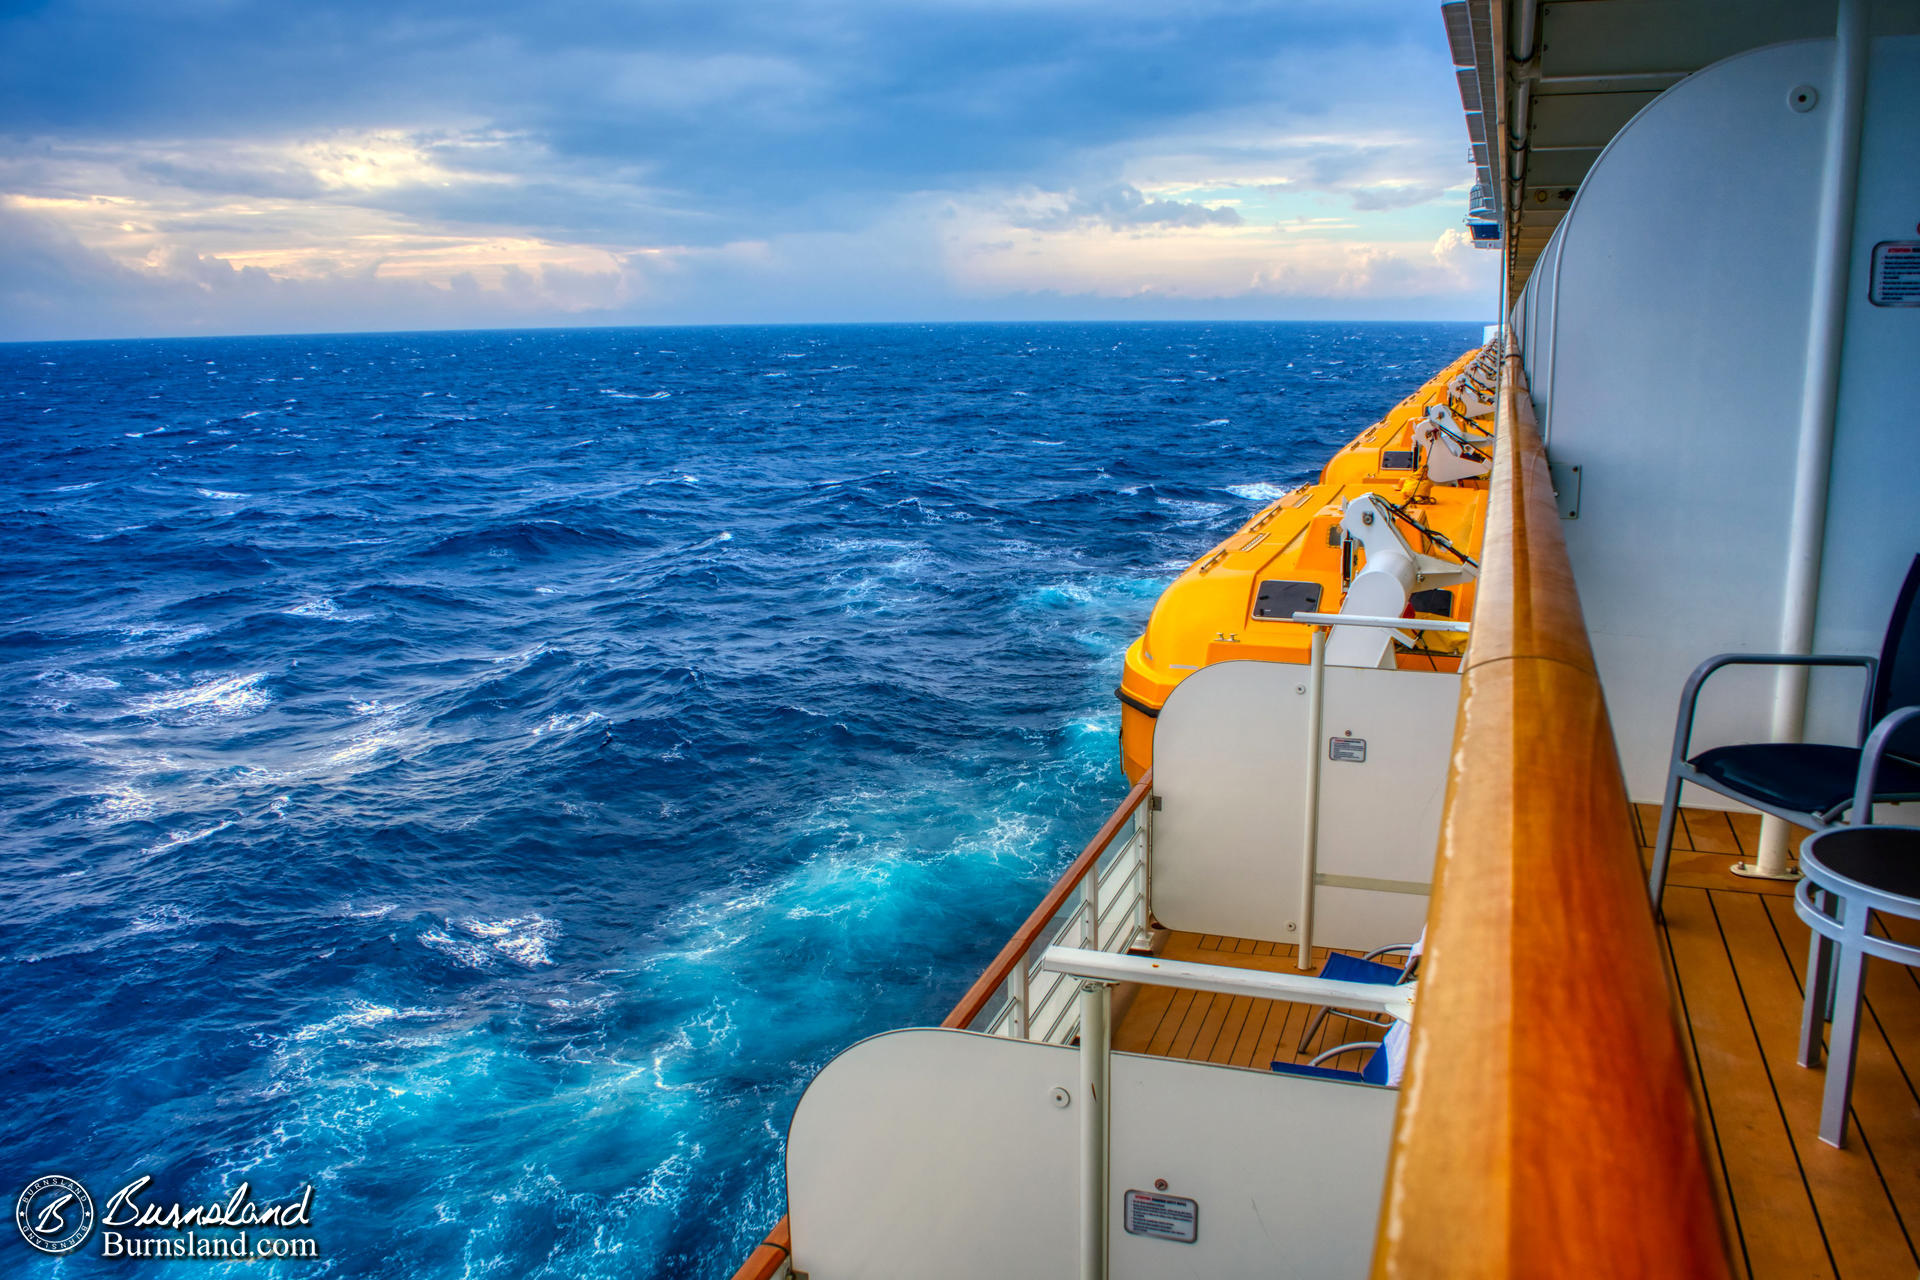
x=1234, y=1031
x=1737, y=952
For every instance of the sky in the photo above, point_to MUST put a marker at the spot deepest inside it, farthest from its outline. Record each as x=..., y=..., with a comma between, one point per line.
x=259, y=166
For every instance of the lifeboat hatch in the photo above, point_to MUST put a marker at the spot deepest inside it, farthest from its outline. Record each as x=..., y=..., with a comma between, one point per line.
x=1281, y=600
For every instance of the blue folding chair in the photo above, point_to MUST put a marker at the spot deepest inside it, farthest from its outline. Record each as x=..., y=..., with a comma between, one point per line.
x=1377, y=1069
x=1342, y=967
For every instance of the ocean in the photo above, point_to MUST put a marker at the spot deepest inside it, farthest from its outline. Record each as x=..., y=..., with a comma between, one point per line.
x=485, y=775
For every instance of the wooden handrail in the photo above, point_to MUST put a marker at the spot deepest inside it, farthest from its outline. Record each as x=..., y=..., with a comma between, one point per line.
x=1028, y=933
x=1547, y=1125
x=765, y=1262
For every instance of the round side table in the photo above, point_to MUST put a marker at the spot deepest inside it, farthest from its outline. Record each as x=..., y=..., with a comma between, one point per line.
x=1850, y=872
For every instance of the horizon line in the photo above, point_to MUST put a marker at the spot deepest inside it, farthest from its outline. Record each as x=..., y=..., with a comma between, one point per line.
x=712, y=324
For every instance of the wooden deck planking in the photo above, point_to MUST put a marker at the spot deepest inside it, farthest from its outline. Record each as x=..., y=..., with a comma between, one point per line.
x=1886, y=1120
x=1237, y=1031
x=1160, y=1044
x=1706, y=844
x=1772, y=1209
x=1738, y=953
x=1847, y=1192
x=1708, y=831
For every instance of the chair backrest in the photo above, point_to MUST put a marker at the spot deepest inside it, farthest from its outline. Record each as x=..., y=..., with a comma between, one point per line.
x=1377, y=1068
x=1897, y=684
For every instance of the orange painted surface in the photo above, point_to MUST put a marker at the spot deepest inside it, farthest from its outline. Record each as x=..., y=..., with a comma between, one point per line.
x=1206, y=615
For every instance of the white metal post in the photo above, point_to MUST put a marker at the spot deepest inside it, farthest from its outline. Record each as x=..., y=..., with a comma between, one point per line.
x=1144, y=817
x=1096, y=1000
x=1310, y=833
x=1017, y=988
x=1090, y=904
x=1820, y=392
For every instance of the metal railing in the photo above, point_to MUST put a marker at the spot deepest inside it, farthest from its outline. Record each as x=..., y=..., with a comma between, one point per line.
x=1099, y=903
x=1040, y=1003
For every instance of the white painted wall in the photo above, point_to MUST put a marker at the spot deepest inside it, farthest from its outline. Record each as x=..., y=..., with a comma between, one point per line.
x=941, y=1155
x=1229, y=766
x=936, y=1153
x=1667, y=354
x=1288, y=1172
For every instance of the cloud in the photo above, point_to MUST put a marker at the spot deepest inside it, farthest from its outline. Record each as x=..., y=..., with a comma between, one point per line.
x=596, y=160
x=1121, y=206
x=1395, y=195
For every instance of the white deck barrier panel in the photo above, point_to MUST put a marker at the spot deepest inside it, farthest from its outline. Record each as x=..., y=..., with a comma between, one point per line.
x=953, y=1155
x=1233, y=753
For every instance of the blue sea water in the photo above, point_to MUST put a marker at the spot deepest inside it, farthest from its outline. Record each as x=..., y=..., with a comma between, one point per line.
x=485, y=775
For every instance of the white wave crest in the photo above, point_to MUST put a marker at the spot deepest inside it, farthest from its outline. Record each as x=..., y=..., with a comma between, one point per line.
x=160, y=919
x=67, y=680
x=380, y=733
x=1260, y=491
x=566, y=723
x=212, y=699
x=175, y=842
x=122, y=805
x=520, y=939
x=1193, y=511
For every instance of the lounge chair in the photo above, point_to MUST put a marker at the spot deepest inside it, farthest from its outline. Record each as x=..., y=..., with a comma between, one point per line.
x=1384, y=1066
x=1342, y=967
x=1808, y=783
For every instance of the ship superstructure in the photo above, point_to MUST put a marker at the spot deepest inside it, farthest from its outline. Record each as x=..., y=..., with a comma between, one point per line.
x=1694, y=425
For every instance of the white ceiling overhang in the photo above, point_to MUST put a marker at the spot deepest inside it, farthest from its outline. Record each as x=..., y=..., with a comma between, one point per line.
x=1557, y=80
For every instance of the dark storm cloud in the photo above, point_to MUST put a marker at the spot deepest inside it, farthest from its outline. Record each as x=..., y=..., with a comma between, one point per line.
x=726, y=115
x=249, y=166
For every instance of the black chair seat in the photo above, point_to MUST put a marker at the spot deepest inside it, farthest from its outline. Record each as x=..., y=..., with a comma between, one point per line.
x=1853, y=875
x=1808, y=777
x=1882, y=858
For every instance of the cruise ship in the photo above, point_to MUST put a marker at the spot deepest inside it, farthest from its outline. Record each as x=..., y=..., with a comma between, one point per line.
x=1364, y=974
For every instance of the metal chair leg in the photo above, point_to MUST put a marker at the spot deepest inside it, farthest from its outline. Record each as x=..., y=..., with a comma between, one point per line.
x=1313, y=1028
x=1663, y=842
x=1846, y=1028
x=1817, y=1006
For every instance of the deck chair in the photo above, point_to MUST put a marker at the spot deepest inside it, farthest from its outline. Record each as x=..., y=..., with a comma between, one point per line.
x=1808, y=783
x=1384, y=1065
x=1342, y=967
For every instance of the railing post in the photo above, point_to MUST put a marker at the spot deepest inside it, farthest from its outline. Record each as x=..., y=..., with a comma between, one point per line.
x=1310, y=822
x=1090, y=905
x=1144, y=817
x=1096, y=1002
x=1017, y=983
